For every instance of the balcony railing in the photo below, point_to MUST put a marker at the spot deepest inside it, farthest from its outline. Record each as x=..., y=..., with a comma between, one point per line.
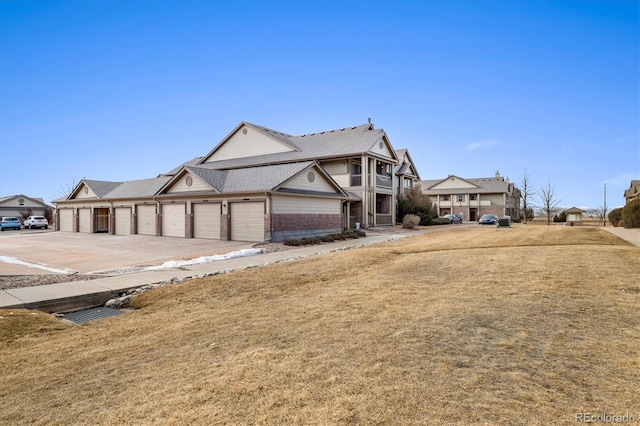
x=384, y=219
x=384, y=181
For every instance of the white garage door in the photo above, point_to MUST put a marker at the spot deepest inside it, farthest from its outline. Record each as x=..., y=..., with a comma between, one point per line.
x=66, y=220
x=247, y=221
x=173, y=220
x=146, y=220
x=84, y=216
x=206, y=220
x=123, y=221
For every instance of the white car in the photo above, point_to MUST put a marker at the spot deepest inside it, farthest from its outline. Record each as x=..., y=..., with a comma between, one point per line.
x=36, y=222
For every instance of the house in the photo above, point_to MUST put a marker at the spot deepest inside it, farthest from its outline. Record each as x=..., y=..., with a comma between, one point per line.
x=257, y=184
x=22, y=207
x=574, y=216
x=633, y=192
x=471, y=198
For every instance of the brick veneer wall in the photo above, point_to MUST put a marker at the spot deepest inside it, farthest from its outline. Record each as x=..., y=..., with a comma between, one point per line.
x=288, y=226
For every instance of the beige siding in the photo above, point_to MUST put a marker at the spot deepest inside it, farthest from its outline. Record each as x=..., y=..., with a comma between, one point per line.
x=496, y=199
x=336, y=167
x=81, y=193
x=173, y=220
x=198, y=184
x=247, y=221
x=303, y=182
x=384, y=150
x=66, y=219
x=455, y=183
x=305, y=205
x=241, y=145
x=206, y=220
x=84, y=220
x=123, y=221
x=146, y=219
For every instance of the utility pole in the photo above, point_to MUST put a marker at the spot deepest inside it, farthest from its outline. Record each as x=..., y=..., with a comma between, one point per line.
x=604, y=213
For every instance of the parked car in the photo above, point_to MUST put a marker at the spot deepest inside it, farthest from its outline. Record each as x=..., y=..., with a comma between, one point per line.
x=36, y=222
x=453, y=218
x=9, y=222
x=488, y=219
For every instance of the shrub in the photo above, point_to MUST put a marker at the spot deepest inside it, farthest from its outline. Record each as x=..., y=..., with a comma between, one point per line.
x=562, y=217
x=439, y=221
x=410, y=221
x=416, y=202
x=615, y=216
x=631, y=214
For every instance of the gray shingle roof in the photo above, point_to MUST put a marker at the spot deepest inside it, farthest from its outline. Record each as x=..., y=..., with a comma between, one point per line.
x=138, y=188
x=101, y=187
x=261, y=178
x=490, y=185
x=332, y=143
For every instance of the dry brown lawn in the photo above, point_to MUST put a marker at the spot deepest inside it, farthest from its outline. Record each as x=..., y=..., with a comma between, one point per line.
x=528, y=325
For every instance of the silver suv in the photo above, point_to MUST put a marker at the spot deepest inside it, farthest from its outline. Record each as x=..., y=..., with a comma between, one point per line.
x=36, y=222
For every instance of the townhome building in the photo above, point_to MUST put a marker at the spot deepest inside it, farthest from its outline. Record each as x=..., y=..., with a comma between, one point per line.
x=257, y=184
x=470, y=198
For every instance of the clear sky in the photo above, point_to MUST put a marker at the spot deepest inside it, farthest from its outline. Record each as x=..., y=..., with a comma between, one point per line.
x=127, y=89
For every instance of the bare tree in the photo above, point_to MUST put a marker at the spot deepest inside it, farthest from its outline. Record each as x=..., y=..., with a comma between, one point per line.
x=549, y=200
x=600, y=213
x=526, y=193
x=66, y=189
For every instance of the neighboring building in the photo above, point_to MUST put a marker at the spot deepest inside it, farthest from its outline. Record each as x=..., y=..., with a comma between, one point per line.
x=574, y=216
x=22, y=207
x=406, y=172
x=257, y=184
x=471, y=198
x=633, y=192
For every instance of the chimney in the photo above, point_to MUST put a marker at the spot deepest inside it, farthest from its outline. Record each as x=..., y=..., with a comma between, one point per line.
x=497, y=174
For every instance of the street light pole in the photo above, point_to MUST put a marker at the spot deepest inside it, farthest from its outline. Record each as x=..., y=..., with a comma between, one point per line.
x=604, y=213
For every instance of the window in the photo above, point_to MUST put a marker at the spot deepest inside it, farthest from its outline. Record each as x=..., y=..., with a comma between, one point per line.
x=383, y=168
x=408, y=183
x=444, y=198
x=472, y=197
x=461, y=198
x=356, y=174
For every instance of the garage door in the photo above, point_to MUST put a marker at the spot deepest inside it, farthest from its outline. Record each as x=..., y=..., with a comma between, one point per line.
x=66, y=220
x=146, y=220
x=173, y=220
x=123, y=221
x=206, y=220
x=84, y=216
x=247, y=221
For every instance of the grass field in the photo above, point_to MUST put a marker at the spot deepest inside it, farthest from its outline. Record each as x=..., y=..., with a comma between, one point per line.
x=527, y=325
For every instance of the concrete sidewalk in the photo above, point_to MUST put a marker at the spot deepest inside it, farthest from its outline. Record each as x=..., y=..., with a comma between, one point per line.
x=631, y=235
x=77, y=294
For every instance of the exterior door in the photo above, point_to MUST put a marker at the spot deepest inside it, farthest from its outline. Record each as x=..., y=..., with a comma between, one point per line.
x=66, y=219
x=123, y=221
x=146, y=219
x=206, y=220
x=247, y=221
x=173, y=220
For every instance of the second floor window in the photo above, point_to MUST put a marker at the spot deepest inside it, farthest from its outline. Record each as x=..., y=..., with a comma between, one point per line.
x=472, y=197
x=444, y=198
x=461, y=198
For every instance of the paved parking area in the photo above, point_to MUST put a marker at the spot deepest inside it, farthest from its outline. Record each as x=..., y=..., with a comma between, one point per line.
x=85, y=253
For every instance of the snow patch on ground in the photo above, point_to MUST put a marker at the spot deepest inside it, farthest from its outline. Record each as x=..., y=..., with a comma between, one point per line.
x=9, y=259
x=174, y=264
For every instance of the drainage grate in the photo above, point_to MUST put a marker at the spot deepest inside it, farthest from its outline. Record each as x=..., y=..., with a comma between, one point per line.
x=91, y=314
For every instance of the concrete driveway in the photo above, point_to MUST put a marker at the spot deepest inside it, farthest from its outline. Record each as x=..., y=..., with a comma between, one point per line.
x=87, y=253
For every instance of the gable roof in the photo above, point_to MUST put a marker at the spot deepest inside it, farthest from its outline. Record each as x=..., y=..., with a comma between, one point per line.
x=407, y=166
x=138, y=188
x=8, y=199
x=344, y=142
x=253, y=179
x=574, y=210
x=489, y=185
x=99, y=187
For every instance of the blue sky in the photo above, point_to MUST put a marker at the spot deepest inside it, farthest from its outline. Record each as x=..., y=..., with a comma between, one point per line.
x=121, y=90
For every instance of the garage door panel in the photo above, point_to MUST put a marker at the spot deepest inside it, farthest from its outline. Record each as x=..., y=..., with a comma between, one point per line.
x=123, y=221
x=247, y=221
x=66, y=220
x=173, y=220
x=146, y=220
x=206, y=220
x=84, y=216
